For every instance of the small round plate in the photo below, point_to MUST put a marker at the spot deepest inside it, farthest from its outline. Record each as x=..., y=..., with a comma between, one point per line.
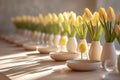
x=30, y=46
x=83, y=65
x=62, y=56
x=47, y=49
x=19, y=42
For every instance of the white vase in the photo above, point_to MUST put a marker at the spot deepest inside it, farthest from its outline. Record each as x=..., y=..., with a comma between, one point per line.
x=72, y=44
x=85, y=54
x=63, y=46
x=84, y=40
x=46, y=38
x=95, y=51
x=51, y=37
x=108, y=53
x=42, y=41
x=56, y=40
x=118, y=64
x=38, y=37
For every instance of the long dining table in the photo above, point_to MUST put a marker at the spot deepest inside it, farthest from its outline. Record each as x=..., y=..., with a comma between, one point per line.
x=18, y=64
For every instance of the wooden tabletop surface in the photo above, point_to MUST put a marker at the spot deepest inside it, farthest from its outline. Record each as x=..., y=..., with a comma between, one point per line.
x=18, y=64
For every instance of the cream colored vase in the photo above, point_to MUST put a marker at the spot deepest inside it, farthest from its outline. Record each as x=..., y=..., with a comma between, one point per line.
x=51, y=37
x=95, y=51
x=109, y=53
x=56, y=40
x=84, y=40
x=85, y=54
x=118, y=64
x=72, y=44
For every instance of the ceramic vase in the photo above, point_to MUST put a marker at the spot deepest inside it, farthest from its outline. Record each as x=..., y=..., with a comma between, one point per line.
x=51, y=37
x=56, y=40
x=95, y=51
x=85, y=54
x=108, y=53
x=72, y=44
x=63, y=43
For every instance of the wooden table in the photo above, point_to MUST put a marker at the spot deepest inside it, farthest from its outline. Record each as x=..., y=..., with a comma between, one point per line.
x=18, y=64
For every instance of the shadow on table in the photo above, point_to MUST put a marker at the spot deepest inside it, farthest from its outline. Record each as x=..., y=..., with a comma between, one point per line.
x=15, y=67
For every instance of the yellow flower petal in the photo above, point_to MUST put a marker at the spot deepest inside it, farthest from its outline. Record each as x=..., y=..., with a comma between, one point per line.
x=49, y=16
x=72, y=17
x=55, y=18
x=110, y=14
x=78, y=21
x=95, y=19
x=118, y=17
x=66, y=16
x=40, y=16
x=45, y=21
x=18, y=19
x=60, y=18
x=117, y=29
x=33, y=19
x=102, y=14
x=87, y=15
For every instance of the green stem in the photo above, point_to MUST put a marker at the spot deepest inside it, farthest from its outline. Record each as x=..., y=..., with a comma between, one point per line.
x=110, y=27
x=81, y=56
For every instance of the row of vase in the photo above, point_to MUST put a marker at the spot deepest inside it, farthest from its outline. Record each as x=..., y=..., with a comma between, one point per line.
x=95, y=52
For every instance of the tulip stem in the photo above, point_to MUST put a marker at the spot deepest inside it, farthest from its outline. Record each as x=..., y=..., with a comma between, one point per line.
x=81, y=56
x=110, y=27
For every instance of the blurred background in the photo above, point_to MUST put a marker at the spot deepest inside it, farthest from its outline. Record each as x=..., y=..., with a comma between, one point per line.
x=13, y=8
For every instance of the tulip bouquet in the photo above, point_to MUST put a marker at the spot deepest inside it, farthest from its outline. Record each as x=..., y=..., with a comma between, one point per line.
x=94, y=27
x=68, y=20
x=108, y=22
x=58, y=24
x=80, y=26
x=26, y=22
x=71, y=19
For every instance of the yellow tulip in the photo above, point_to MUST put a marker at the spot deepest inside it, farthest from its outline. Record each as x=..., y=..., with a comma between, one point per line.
x=18, y=19
x=78, y=21
x=110, y=14
x=87, y=15
x=49, y=16
x=102, y=14
x=72, y=17
x=24, y=18
x=95, y=19
x=117, y=29
x=33, y=19
x=55, y=18
x=37, y=21
x=40, y=16
x=66, y=16
x=45, y=22
x=60, y=18
x=118, y=17
x=82, y=47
